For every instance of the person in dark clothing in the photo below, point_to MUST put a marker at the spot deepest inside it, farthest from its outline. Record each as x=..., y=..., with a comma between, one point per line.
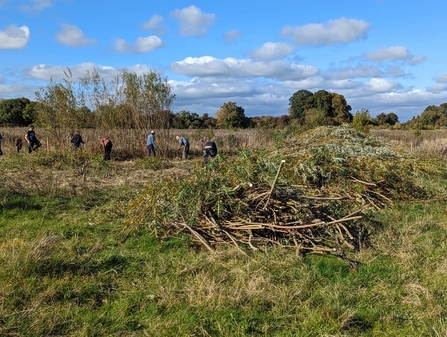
x=210, y=150
x=183, y=142
x=77, y=140
x=1, y=140
x=19, y=144
x=30, y=137
x=106, y=144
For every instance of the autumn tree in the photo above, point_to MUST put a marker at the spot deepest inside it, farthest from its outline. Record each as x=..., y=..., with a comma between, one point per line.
x=127, y=101
x=231, y=116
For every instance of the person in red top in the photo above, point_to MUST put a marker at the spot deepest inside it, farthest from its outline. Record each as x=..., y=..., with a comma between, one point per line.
x=106, y=144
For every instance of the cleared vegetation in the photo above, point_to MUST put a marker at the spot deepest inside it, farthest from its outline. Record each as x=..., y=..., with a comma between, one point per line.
x=76, y=262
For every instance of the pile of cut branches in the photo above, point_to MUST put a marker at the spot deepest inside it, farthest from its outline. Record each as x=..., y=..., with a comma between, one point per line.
x=317, y=194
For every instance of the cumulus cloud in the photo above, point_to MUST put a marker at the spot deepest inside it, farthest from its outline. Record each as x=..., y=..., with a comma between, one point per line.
x=272, y=50
x=72, y=36
x=437, y=88
x=142, y=45
x=232, y=35
x=155, y=24
x=342, y=30
x=14, y=37
x=192, y=21
x=381, y=85
x=394, y=54
x=358, y=71
x=231, y=67
x=56, y=72
x=36, y=5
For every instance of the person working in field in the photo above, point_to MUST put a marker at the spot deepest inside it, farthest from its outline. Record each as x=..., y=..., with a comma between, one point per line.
x=150, y=144
x=76, y=140
x=183, y=142
x=19, y=144
x=106, y=144
x=210, y=150
x=31, y=138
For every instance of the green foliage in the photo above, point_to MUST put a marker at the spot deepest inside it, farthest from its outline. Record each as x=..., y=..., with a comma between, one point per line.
x=66, y=269
x=319, y=108
x=230, y=116
x=298, y=103
x=432, y=117
x=128, y=101
x=17, y=111
x=362, y=121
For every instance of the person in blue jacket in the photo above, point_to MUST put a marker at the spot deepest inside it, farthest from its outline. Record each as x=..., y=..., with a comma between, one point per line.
x=183, y=142
x=150, y=144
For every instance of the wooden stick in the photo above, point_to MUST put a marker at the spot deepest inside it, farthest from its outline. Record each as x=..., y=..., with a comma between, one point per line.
x=274, y=183
x=198, y=236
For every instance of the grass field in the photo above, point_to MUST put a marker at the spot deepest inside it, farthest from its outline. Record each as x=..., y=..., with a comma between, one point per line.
x=69, y=267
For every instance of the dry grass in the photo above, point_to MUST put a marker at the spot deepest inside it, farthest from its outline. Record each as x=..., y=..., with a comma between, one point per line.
x=130, y=143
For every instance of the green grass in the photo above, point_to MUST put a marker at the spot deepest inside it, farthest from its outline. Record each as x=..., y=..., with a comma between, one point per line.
x=68, y=269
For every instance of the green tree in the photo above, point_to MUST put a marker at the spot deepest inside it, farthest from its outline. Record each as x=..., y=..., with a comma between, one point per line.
x=13, y=111
x=298, y=103
x=387, y=119
x=319, y=108
x=341, y=109
x=362, y=120
x=231, y=116
x=186, y=120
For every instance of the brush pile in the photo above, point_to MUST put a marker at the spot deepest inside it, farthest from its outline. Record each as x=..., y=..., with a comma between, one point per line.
x=317, y=193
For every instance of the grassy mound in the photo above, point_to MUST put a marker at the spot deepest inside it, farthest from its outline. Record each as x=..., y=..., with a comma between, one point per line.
x=315, y=194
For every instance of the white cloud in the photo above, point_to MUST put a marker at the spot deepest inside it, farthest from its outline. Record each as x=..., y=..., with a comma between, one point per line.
x=122, y=46
x=192, y=21
x=36, y=5
x=72, y=36
x=14, y=37
x=142, y=45
x=2, y=2
x=441, y=78
x=231, y=67
x=437, y=88
x=232, y=35
x=381, y=85
x=359, y=71
x=416, y=59
x=56, y=72
x=391, y=53
x=272, y=50
x=154, y=24
x=397, y=53
x=342, y=30
x=148, y=43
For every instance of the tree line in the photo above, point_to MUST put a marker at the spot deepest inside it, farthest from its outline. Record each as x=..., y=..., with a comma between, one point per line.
x=145, y=101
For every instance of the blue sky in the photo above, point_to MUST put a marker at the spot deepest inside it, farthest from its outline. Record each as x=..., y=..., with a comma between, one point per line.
x=382, y=55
